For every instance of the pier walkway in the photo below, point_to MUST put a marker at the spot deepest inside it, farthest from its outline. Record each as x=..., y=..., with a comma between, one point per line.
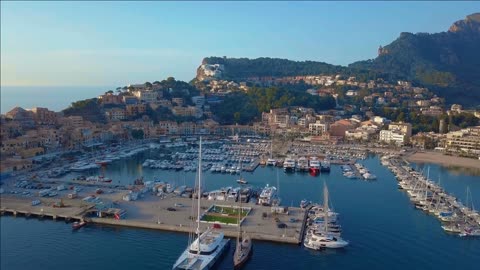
x=151, y=213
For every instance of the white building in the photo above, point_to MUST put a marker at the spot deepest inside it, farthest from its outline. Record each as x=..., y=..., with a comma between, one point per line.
x=115, y=114
x=199, y=101
x=393, y=136
x=318, y=128
x=146, y=96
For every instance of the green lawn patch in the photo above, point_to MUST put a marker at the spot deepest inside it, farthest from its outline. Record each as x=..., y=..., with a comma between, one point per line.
x=222, y=219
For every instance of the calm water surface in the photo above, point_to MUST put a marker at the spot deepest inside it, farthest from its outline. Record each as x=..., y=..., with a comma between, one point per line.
x=55, y=98
x=384, y=229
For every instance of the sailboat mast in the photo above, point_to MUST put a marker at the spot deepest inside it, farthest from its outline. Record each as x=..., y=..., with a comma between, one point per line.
x=271, y=149
x=198, y=192
x=239, y=229
x=278, y=185
x=325, y=206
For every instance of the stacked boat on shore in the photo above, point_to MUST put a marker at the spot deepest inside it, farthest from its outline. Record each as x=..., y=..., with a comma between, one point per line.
x=431, y=198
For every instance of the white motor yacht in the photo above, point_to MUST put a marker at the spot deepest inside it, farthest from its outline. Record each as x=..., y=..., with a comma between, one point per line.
x=319, y=241
x=267, y=196
x=289, y=165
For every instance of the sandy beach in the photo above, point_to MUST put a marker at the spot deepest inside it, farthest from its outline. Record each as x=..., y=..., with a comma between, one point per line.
x=448, y=161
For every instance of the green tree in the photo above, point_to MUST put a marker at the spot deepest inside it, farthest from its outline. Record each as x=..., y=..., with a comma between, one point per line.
x=236, y=117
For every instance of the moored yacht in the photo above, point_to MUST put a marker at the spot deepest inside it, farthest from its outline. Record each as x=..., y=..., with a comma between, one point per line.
x=289, y=165
x=327, y=235
x=208, y=247
x=203, y=255
x=314, y=166
x=302, y=164
x=268, y=195
x=325, y=166
x=320, y=240
x=245, y=194
x=271, y=162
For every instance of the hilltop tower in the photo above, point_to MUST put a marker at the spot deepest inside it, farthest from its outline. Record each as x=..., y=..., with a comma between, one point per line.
x=382, y=50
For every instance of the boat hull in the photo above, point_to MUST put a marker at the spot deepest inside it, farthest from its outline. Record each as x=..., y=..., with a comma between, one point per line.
x=314, y=171
x=212, y=261
x=239, y=260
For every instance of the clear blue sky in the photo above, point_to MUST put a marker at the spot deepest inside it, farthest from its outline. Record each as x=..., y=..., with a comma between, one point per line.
x=116, y=43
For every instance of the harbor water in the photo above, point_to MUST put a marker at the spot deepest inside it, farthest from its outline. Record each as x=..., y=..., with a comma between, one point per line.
x=384, y=229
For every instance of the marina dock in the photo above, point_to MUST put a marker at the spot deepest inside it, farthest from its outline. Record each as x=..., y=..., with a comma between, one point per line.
x=150, y=213
x=253, y=166
x=22, y=207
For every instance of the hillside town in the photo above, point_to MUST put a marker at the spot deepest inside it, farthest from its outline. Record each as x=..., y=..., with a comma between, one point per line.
x=129, y=114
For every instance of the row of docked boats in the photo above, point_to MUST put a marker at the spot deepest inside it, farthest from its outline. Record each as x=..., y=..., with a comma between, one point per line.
x=106, y=157
x=191, y=166
x=93, y=178
x=302, y=164
x=358, y=171
x=430, y=197
x=331, y=152
x=323, y=230
x=224, y=194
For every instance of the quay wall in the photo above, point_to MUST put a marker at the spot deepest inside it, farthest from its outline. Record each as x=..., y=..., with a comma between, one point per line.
x=187, y=229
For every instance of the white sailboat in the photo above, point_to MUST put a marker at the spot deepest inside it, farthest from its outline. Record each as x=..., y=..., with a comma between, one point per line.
x=209, y=245
x=323, y=238
x=243, y=250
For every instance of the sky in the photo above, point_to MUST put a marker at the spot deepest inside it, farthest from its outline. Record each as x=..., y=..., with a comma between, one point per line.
x=118, y=43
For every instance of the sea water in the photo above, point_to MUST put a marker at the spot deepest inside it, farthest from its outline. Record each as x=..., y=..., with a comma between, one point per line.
x=384, y=229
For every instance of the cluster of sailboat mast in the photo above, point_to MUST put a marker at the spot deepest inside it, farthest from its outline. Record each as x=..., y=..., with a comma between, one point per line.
x=431, y=198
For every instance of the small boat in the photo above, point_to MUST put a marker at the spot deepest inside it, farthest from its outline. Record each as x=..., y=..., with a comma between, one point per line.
x=77, y=225
x=103, y=162
x=304, y=204
x=469, y=231
x=242, y=181
x=369, y=176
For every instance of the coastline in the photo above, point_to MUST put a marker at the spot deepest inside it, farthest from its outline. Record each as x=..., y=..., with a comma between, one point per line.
x=444, y=160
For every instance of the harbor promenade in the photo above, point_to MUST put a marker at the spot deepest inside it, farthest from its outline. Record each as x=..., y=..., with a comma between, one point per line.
x=152, y=213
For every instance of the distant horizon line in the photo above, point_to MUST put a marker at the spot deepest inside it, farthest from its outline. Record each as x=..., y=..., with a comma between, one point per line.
x=56, y=85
